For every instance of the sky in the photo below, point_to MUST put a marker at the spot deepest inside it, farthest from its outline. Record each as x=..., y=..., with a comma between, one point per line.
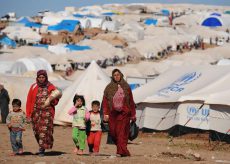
x=32, y=7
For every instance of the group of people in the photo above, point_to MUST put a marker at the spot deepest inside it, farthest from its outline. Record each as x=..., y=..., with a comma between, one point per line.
x=118, y=110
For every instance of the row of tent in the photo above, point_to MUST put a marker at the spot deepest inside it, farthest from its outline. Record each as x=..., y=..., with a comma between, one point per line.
x=213, y=20
x=196, y=97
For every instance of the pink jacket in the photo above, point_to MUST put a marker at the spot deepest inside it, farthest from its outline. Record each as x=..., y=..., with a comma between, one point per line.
x=73, y=110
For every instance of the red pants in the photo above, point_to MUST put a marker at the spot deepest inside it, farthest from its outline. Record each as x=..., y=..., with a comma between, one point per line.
x=94, y=141
x=119, y=131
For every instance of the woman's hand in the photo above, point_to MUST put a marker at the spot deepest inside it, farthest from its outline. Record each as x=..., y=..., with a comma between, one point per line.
x=106, y=118
x=133, y=119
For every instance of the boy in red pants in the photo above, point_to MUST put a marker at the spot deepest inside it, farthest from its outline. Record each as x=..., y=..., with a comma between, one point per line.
x=95, y=132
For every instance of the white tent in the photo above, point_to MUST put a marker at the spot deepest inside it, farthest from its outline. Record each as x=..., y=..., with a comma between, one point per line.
x=132, y=31
x=30, y=64
x=85, y=22
x=5, y=66
x=96, y=22
x=110, y=25
x=90, y=84
x=21, y=32
x=223, y=62
x=167, y=100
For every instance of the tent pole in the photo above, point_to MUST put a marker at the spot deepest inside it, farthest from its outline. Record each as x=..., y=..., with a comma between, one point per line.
x=165, y=115
x=194, y=114
x=140, y=117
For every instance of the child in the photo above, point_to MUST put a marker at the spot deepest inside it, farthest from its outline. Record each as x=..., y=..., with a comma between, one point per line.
x=16, y=121
x=80, y=116
x=94, y=136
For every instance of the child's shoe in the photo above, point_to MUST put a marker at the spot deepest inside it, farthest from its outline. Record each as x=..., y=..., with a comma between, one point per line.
x=20, y=151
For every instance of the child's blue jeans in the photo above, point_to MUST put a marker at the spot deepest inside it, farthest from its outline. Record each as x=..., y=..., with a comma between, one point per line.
x=16, y=140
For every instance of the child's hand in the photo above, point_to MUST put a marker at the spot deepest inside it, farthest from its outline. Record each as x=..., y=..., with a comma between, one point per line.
x=9, y=125
x=28, y=120
x=77, y=104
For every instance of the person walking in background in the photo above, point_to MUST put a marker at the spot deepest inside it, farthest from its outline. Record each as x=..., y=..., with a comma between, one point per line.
x=119, y=109
x=95, y=130
x=16, y=120
x=80, y=117
x=4, y=103
x=40, y=110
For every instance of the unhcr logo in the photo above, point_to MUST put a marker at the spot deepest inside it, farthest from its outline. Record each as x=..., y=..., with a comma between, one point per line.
x=197, y=114
x=192, y=111
x=179, y=84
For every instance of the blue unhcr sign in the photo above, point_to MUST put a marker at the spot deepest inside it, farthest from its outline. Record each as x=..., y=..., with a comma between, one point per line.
x=197, y=114
x=179, y=84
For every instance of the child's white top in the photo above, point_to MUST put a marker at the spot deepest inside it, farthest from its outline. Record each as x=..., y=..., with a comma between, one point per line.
x=95, y=119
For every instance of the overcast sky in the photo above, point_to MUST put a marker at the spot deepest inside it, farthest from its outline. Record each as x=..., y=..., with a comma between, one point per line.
x=32, y=7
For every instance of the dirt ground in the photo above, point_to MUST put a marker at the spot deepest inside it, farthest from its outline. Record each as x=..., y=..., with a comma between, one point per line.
x=147, y=148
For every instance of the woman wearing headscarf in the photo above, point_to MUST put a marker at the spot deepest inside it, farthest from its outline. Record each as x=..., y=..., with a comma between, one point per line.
x=119, y=109
x=40, y=115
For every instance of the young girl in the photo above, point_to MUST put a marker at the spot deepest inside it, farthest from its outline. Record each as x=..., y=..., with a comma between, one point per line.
x=94, y=136
x=80, y=116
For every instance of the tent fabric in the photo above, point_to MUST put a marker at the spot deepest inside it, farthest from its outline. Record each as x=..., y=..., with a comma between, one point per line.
x=96, y=22
x=223, y=62
x=212, y=22
x=90, y=84
x=134, y=86
x=24, y=65
x=28, y=23
x=215, y=14
x=22, y=32
x=165, y=12
x=132, y=31
x=73, y=47
x=151, y=22
x=5, y=66
x=109, y=13
x=41, y=45
x=7, y=41
x=24, y=20
x=83, y=16
x=33, y=24
x=68, y=25
x=110, y=25
x=66, y=48
x=192, y=114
